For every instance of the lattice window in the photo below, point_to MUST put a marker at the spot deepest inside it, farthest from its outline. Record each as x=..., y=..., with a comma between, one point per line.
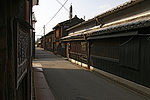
x=22, y=47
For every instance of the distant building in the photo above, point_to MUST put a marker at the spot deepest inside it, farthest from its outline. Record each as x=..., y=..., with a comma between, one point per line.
x=50, y=40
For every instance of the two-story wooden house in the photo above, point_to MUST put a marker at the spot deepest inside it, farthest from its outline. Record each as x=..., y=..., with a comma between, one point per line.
x=60, y=31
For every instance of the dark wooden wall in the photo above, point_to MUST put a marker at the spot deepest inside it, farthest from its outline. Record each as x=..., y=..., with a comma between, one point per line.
x=124, y=56
x=3, y=51
x=127, y=57
x=145, y=60
x=11, y=10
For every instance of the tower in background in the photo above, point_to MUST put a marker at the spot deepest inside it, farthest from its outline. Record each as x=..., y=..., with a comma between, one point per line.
x=70, y=12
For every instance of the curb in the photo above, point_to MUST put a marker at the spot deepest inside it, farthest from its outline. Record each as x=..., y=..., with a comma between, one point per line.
x=126, y=83
x=41, y=88
x=33, y=87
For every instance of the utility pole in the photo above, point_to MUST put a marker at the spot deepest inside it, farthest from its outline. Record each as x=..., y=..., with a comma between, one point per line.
x=44, y=38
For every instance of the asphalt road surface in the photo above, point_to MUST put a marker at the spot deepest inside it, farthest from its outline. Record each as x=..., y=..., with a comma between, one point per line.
x=70, y=82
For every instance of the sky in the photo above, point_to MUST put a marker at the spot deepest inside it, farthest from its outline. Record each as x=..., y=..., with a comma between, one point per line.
x=88, y=8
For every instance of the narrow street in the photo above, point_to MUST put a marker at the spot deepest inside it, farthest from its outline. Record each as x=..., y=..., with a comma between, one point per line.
x=70, y=82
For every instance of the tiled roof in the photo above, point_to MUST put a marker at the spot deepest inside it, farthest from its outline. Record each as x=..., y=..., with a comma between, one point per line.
x=134, y=24
x=68, y=21
x=120, y=7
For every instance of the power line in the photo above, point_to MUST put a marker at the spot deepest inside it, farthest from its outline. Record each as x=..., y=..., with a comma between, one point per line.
x=41, y=31
x=62, y=5
x=56, y=13
x=38, y=35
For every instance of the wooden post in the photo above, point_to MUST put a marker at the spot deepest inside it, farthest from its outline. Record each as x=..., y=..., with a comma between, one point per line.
x=88, y=53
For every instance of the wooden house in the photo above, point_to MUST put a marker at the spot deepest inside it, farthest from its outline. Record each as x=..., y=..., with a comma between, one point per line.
x=60, y=31
x=117, y=41
x=15, y=49
x=49, y=38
